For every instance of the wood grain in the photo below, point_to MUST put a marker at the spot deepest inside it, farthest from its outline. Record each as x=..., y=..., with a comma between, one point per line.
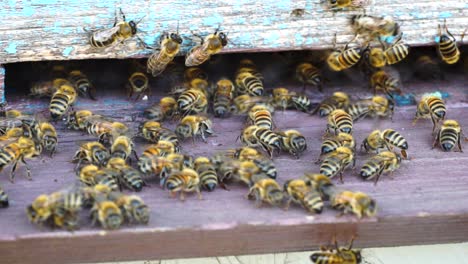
x=53, y=30
x=422, y=205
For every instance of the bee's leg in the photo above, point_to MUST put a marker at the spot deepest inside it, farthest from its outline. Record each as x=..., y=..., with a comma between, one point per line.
x=459, y=141
x=172, y=194
x=182, y=196
x=351, y=243
x=288, y=203
x=12, y=173
x=378, y=175
x=135, y=155
x=335, y=243
x=200, y=197
x=258, y=200
x=436, y=140
x=28, y=170
x=434, y=123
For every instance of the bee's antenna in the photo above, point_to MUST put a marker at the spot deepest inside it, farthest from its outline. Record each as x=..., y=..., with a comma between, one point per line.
x=140, y=20
x=177, y=27
x=122, y=13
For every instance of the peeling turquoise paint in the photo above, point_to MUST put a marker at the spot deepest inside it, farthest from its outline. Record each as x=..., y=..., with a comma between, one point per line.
x=404, y=100
x=311, y=40
x=272, y=39
x=388, y=39
x=299, y=39
x=11, y=49
x=28, y=10
x=445, y=14
x=437, y=39
x=67, y=51
x=419, y=15
x=214, y=21
x=283, y=26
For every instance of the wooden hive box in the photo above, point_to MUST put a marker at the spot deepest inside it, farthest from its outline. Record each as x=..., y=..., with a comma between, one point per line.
x=424, y=204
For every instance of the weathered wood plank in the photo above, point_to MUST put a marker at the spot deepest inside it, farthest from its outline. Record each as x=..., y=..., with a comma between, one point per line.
x=53, y=30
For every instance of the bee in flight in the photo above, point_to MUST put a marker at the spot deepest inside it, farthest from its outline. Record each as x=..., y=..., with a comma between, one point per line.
x=210, y=45
x=169, y=47
x=117, y=34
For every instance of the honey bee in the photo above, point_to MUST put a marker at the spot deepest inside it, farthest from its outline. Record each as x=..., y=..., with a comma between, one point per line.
x=76, y=120
x=169, y=47
x=104, y=128
x=338, y=100
x=91, y=175
x=212, y=44
x=192, y=101
x=167, y=108
x=339, y=121
x=15, y=150
x=247, y=65
x=243, y=103
x=268, y=140
x=388, y=139
x=207, y=173
x=381, y=106
x=379, y=57
x=298, y=12
x=138, y=84
x=381, y=80
x=307, y=73
x=47, y=135
x=223, y=97
x=448, y=136
x=61, y=100
x=337, y=161
x=153, y=132
x=123, y=147
x=427, y=68
x=301, y=103
x=246, y=172
x=247, y=83
x=338, y=255
x=192, y=126
x=111, y=37
x=299, y=192
x=150, y=163
x=321, y=183
x=372, y=28
x=13, y=133
x=268, y=191
x=244, y=154
x=195, y=72
x=107, y=213
x=343, y=59
x=431, y=106
x=340, y=140
x=186, y=180
x=293, y=142
x=3, y=198
x=447, y=47
x=383, y=162
x=91, y=152
x=82, y=84
x=129, y=176
x=260, y=116
x=357, y=203
x=132, y=207
x=43, y=89
x=281, y=98
x=340, y=4
x=266, y=166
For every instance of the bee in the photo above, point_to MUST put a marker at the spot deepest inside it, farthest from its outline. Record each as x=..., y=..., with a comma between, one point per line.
x=61, y=100
x=76, y=120
x=338, y=100
x=3, y=198
x=15, y=150
x=192, y=101
x=379, y=57
x=138, y=84
x=340, y=140
x=243, y=103
x=268, y=191
x=47, y=136
x=388, y=139
x=266, y=166
x=281, y=98
x=371, y=27
x=153, y=132
x=427, y=68
x=186, y=180
x=123, y=147
x=153, y=163
x=119, y=33
x=200, y=85
x=247, y=65
x=104, y=128
x=91, y=152
x=299, y=192
x=381, y=80
x=301, y=103
x=383, y=162
x=338, y=255
x=260, y=116
x=246, y=172
x=321, y=183
x=340, y=4
x=343, y=59
x=207, y=173
x=167, y=108
x=129, y=176
x=244, y=154
x=91, y=175
x=192, y=126
x=447, y=47
x=298, y=12
x=293, y=141
x=448, y=136
x=431, y=106
x=13, y=133
x=337, y=161
x=358, y=110
x=357, y=203
x=43, y=89
x=248, y=83
x=339, y=121
x=212, y=44
x=107, y=213
x=195, y=72
x=169, y=47
x=82, y=84
x=306, y=73
x=223, y=97
x=381, y=106
x=132, y=207
x=268, y=140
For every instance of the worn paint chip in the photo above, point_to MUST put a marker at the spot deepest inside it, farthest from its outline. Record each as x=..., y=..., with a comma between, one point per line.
x=11, y=49
x=67, y=51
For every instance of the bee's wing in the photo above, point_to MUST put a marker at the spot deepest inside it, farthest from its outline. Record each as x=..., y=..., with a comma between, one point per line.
x=105, y=34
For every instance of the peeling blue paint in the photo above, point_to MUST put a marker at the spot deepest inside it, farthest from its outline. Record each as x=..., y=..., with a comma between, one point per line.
x=419, y=15
x=445, y=14
x=311, y=40
x=404, y=100
x=28, y=10
x=282, y=26
x=11, y=49
x=213, y=21
x=272, y=39
x=67, y=51
x=437, y=39
x=299, y=38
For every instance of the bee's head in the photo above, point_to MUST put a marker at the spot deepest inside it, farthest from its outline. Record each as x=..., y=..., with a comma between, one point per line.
x=133, y=26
